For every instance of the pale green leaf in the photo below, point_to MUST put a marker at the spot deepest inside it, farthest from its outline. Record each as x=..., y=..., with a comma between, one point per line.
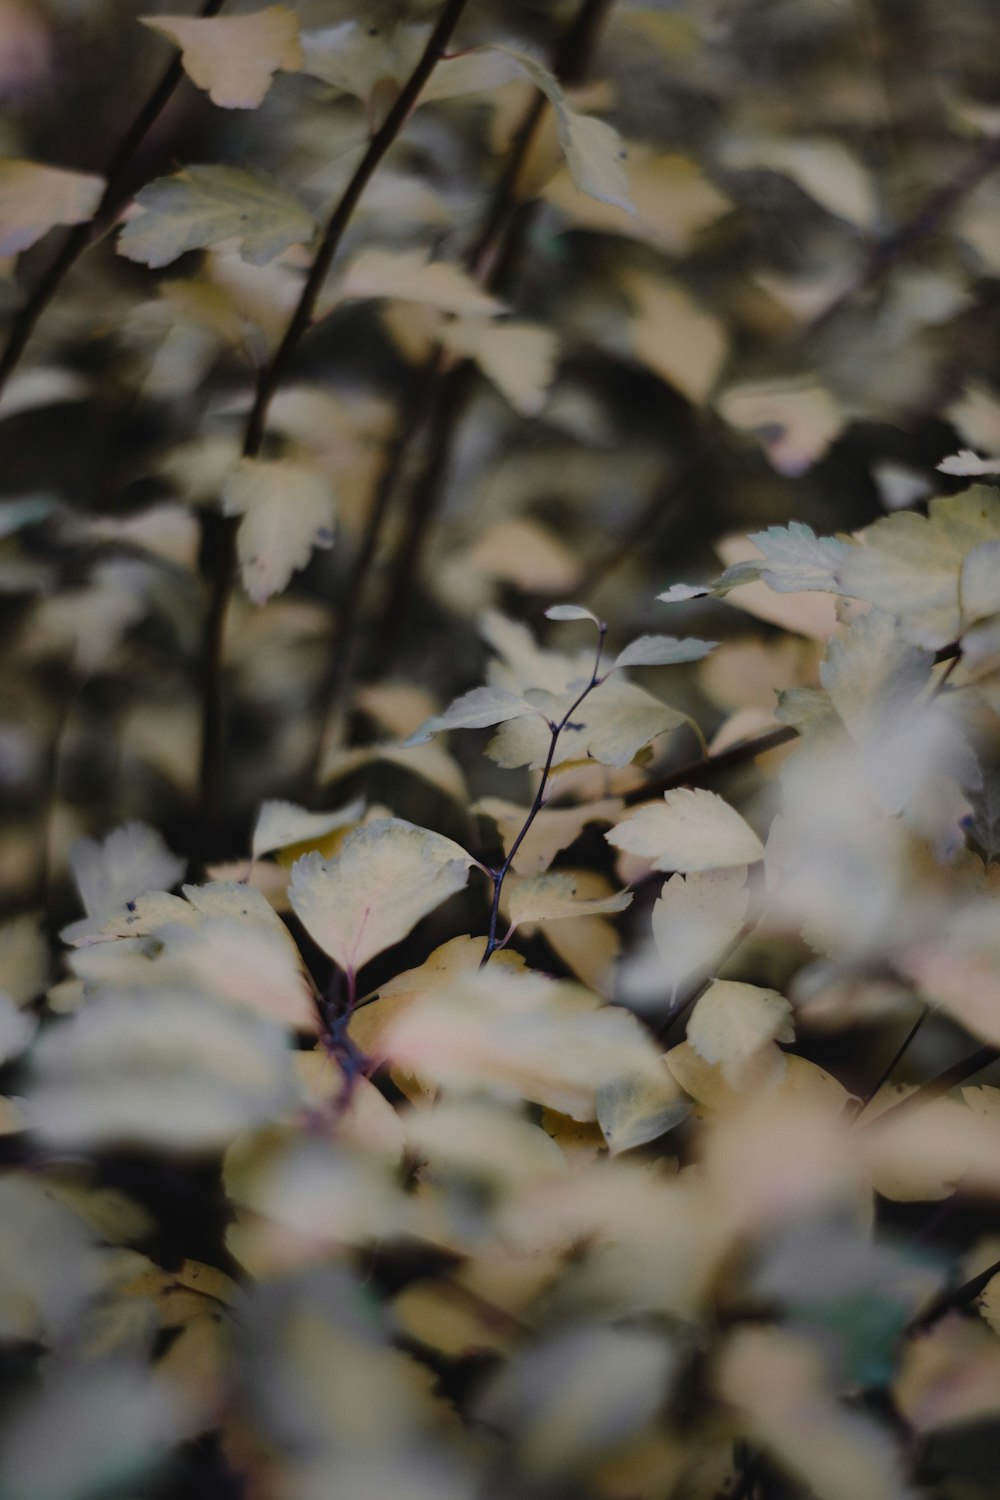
x=639, y=1108
x=612, y=724
x=593, y=149
x=131, y=861
x=480, y=708
x=570, y=612
x=387, y=876
x=287, y=510
x=662, y=651
x=205, y=205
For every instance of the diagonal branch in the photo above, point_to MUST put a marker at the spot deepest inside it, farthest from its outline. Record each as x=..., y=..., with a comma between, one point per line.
x=222, y=544
x=23, y=324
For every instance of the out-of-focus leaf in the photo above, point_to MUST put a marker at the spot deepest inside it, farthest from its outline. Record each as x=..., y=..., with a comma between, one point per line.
x=550, y=898
x=632, y=1111
x=411, y=277
x=282, y=823
x=674, y=337
x=662, y=651
x=688, y=830
x=731, y=1022
x=35, y=198
x=130, y=862
x=795, y=425
x=287, y=510
x=234, y=57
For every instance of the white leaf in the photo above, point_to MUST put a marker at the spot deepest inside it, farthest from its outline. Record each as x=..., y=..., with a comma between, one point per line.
x=287, y=509
x=677, y=593
x=480, y=708
x=131, y=861
x=570, y=612
x=966, y=462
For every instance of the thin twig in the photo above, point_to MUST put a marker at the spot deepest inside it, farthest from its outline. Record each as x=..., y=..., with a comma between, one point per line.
x=499, y=875
x=966, y=1067
x=960, y=1296
x=23, y=324
x=892, y=1065
x=694, y=772
x=269, y=379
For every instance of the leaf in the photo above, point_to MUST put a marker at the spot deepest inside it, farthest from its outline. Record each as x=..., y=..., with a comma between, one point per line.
x=480, y=708
x=695, y=917
x=570, y=612
x=593, y=149
x=662, y=651
x=966, y=462
x=35, y=198
x=550, y=898
x=24, y=958
x=174, y=1072
x=672, y=202
x=288, y=509
x=909, y=565
x=282, y=823
x=205, y=205
x=612, y=724
x=519, y=358
x=409, y=276
x=979, y=582
x=632, y=1111
x=675, y=337
x=234, y=57
x=388, y=875
x=731, y=1022
x=552, y=829
x=830, y=174
x=795, y=424
x=131, y=861
x=243, y=960
x=796, y=559
x=691, y=830
x=679, y=593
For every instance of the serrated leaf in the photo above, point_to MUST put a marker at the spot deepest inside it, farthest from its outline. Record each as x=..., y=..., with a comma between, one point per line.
x=662, y=651
x=570, y=612
x=35, y=198
x=691, y=829
x=480, y=708
x=593, y=149
x=551, y=898
x=387, y=876
x=205, y=205
x=288, y=510
x=795, y=559
x=129, y=862
x=234, y=57
x=176, y=1072
x=612, y=725
x=678, y=593
x=731, y=1022
x=282, y=823
x=910, y=565
x=695, y=917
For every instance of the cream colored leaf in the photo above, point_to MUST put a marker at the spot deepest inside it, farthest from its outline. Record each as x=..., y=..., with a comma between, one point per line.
x=673, y=336
x=411, y=277
x=976, y=415
x=695, y=917
x=553, y=829
x=966, y=462
x=480, y=708
x=550, y=898
x=519, y=358
x=235, y=57
x=287, y=510
x=795, y=424
x=387, y=876
x=35, y=198
x=612, y=724
x=356, y=56
x=282, y=823
x=825, y=169
x=691, y=830
x=731, y=1022
x=250, y=964
x=130, y=862
x=593, y=149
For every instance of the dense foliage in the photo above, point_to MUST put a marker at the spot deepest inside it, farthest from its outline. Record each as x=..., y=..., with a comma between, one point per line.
x=460, y=1042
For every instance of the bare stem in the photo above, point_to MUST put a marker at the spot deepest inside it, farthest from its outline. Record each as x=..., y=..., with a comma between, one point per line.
x=23, y=324
x=499, y=875
x=223, y=564
x=960, y=1296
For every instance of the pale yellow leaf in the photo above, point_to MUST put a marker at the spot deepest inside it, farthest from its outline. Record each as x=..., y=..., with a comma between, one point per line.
x=795, y=424
x=690, y=830
x=287, y=510
x=673, y=336
x=825, y=169
x=35, y=198
x=519, y=358
x=731, y=1022
x=280, y=824
x=695, y=917
x=409, y=276
x=553, y=829
x=235, y=57
x=550, y=898
x=673, y=202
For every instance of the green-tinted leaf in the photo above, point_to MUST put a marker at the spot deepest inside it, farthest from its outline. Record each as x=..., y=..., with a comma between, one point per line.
x=205, y=205
x=662, y=651
x=480, y=708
